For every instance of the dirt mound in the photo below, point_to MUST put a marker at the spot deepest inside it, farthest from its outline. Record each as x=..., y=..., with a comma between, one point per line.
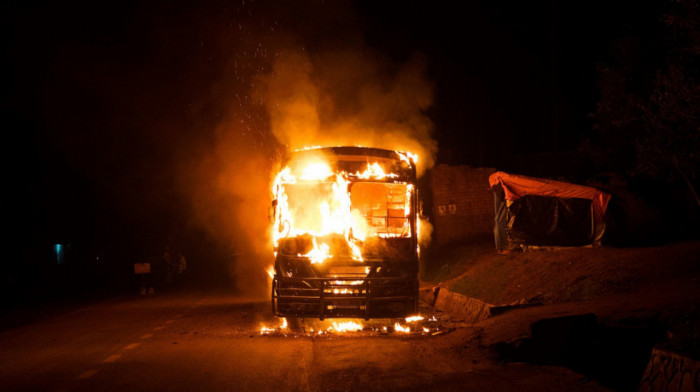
x=565, y=274
x=602, y=309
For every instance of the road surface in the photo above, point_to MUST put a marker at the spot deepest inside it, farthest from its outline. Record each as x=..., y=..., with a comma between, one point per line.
x=213, y=342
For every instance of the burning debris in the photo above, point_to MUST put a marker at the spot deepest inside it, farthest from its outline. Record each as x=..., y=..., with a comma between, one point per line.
x=346, y=326
x=265, y=330
x=411, y=326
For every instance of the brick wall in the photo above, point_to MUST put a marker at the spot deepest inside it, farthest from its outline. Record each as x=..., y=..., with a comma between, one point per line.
x=462, y=202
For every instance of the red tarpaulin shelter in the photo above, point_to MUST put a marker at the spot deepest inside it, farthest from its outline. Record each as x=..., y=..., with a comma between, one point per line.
x=543, y=212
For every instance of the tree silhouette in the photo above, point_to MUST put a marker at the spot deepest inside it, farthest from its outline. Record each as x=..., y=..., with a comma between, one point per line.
x=649, y=107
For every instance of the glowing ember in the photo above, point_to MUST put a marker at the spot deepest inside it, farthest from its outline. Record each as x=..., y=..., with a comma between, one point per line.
x=349, y=282
x=265, y=330
x=330, y=327
x=347, y=326
x=344, y=291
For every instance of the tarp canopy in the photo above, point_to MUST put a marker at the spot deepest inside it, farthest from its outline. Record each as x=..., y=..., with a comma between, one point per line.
x=516, y=186
x=543, y=212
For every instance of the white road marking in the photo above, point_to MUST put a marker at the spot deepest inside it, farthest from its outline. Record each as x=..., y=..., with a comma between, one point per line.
x=112, y=358
x=131, y=346
x=87, y=374
x=147, y=336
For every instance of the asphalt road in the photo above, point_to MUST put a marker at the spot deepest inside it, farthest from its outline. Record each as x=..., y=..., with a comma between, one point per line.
x=212, y=342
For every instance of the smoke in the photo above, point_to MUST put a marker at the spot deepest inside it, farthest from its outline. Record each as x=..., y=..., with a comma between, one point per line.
x=280, y=89
x=350, y=97
x=229, y=189
x=227, y=175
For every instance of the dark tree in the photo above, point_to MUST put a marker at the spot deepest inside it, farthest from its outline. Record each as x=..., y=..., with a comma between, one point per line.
x=649, y=108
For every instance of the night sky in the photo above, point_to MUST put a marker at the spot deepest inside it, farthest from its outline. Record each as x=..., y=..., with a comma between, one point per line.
x=110, y=102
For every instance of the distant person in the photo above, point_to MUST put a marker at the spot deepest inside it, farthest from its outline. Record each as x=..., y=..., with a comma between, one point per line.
x=167, y=266
x=143, y=274
x=179, y=266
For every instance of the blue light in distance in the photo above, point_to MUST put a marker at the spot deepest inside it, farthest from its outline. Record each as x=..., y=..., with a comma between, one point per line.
x=58, y=251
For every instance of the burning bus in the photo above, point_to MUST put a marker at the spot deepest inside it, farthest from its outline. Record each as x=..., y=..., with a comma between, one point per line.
x=345, y=234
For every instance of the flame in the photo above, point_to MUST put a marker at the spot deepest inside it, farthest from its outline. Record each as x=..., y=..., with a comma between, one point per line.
x=374, y=171
x=321, y=205
x=344, y=291
x=346, y=326
x=316, y=171
x=408, y=157
x=348, y=282
x=270, y=271
x=319, y=253
x=341, y=326
x=265, y=330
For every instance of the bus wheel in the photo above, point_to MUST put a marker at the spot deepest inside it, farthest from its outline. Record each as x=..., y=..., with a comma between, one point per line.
x=294, y=323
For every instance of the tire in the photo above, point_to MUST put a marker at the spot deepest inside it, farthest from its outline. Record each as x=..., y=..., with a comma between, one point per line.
x=294, y=323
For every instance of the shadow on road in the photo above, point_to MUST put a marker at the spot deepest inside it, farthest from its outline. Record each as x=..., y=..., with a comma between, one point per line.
x=614, y=356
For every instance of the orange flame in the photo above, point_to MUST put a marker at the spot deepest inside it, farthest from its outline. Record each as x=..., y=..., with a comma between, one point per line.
x=270, y=271
x=265, y=330
x=346, y=326
x=327, y=208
